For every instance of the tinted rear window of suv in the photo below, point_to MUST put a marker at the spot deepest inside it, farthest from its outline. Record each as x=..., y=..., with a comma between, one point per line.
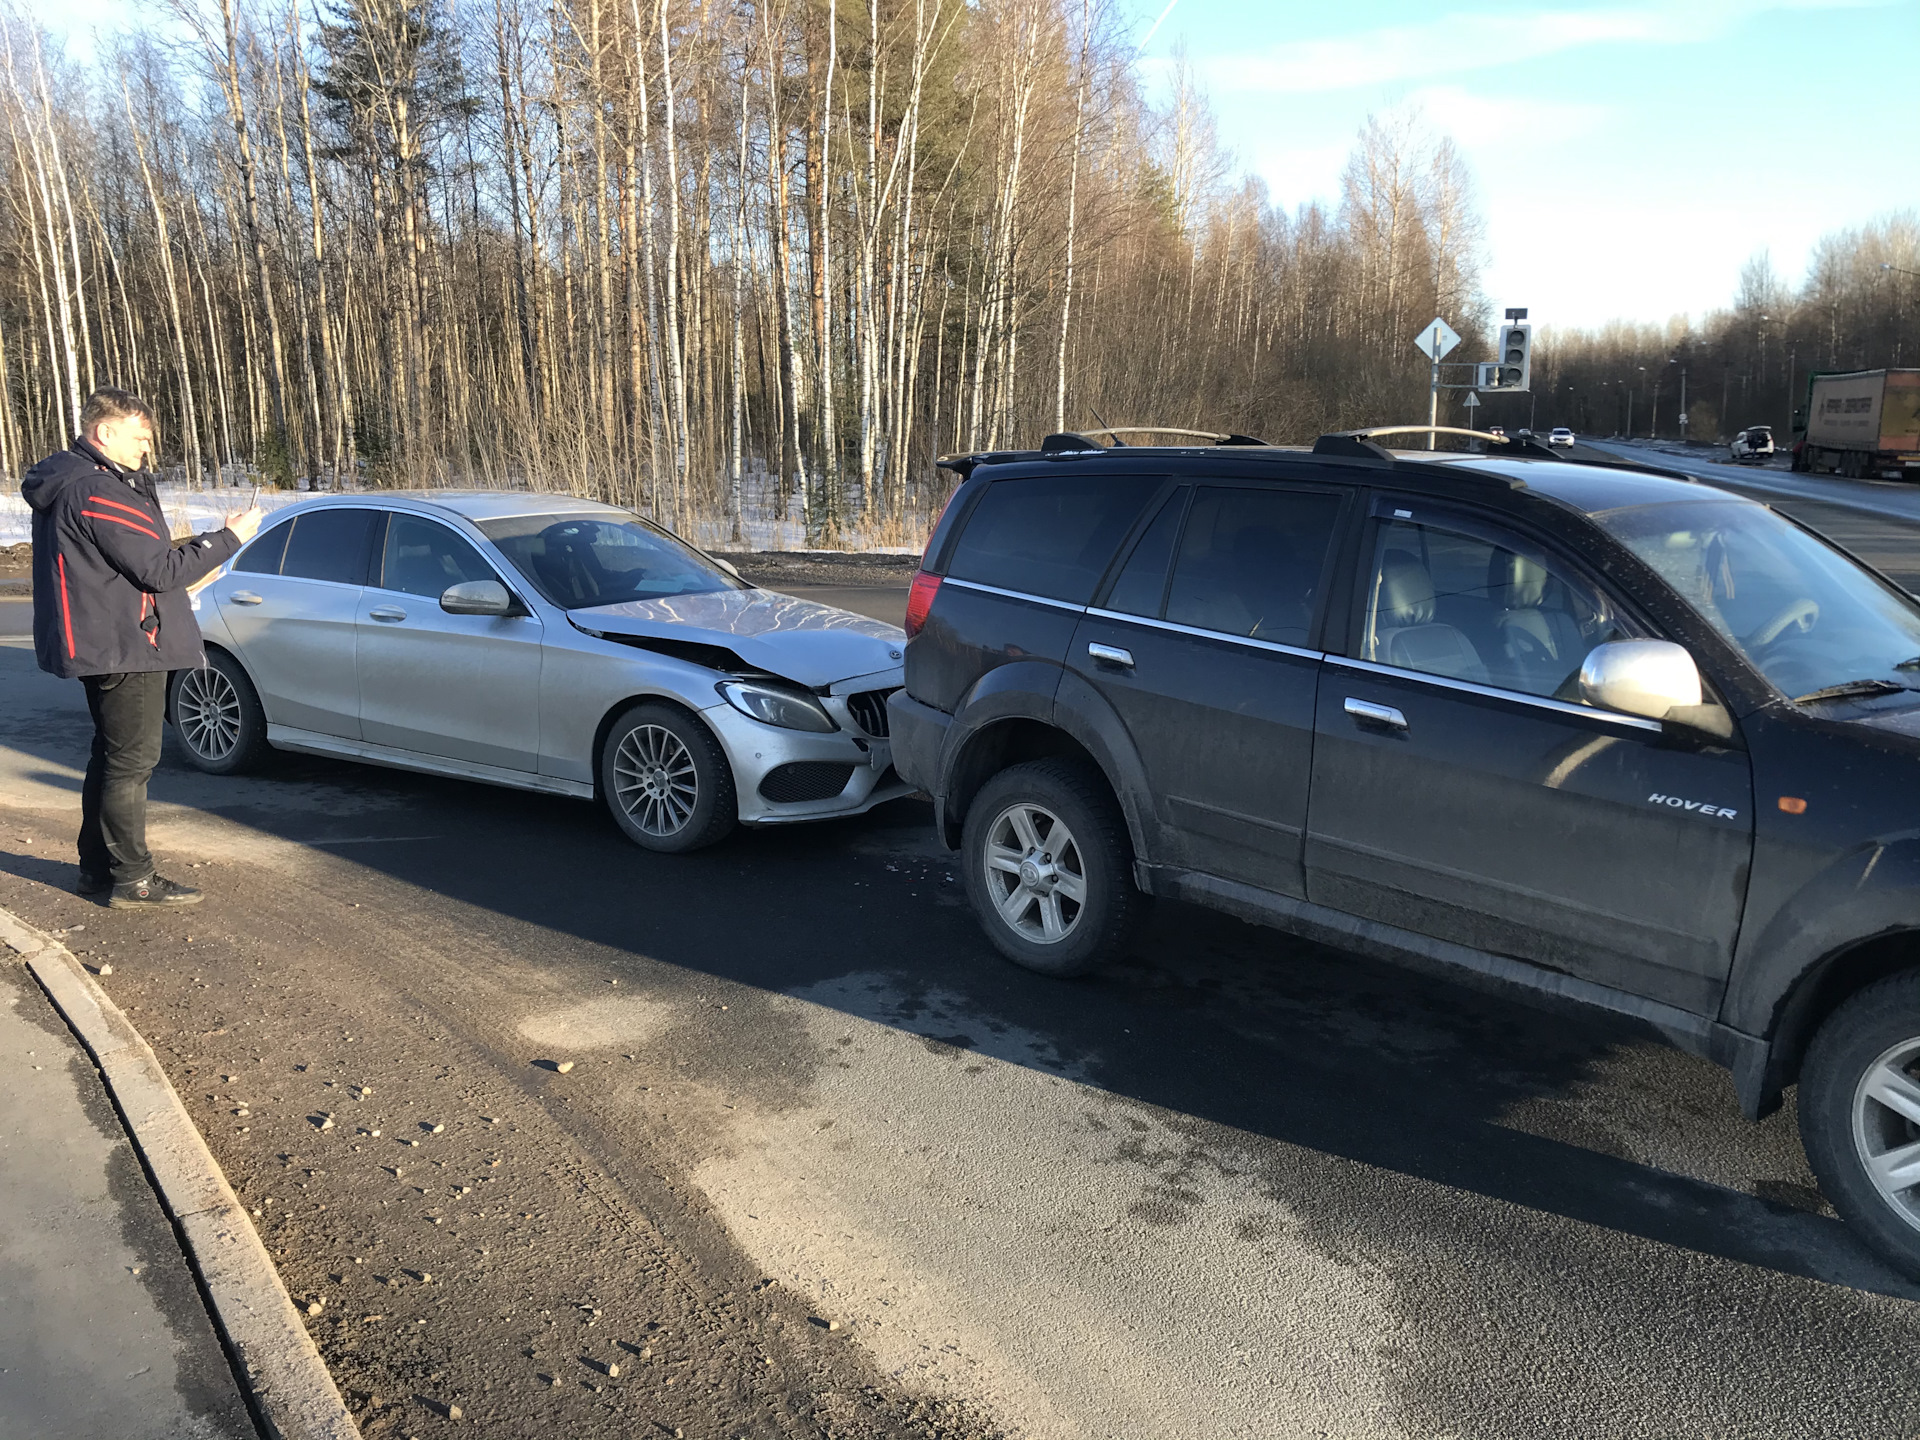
x=1050, y=536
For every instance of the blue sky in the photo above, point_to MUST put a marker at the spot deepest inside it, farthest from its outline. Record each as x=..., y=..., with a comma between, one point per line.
x=1629, y=157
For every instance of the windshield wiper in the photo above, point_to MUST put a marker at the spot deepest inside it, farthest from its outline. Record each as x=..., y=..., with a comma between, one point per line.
x=1850, y=688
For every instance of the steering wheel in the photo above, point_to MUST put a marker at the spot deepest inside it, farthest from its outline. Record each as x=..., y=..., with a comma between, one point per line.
x=1802, y=612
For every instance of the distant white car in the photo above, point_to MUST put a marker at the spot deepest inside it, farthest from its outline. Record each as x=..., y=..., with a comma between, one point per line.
x=1561, y=436
x=1754, y=445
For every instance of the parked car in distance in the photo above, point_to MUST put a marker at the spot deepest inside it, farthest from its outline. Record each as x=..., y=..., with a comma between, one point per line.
x=543, y=643
x=1561, y=436
x=1753, y=446
x=1587, y=729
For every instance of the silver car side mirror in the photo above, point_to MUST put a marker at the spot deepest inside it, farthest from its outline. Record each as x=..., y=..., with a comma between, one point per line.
x=478, y=597
x=1640, y=677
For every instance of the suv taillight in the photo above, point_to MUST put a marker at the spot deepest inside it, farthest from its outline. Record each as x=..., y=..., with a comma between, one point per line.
x=920, y=601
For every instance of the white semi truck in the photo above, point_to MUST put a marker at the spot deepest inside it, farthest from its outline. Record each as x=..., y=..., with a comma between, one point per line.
x=1864, y=424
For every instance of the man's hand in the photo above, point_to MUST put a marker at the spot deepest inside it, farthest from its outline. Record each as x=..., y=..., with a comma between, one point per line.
x=246, y=523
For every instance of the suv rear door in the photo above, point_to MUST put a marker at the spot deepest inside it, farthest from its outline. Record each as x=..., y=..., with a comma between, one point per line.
x=1462, y=790
x=1204, y=645
x=1018, y=573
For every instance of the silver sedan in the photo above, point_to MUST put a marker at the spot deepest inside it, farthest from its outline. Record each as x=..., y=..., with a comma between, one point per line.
x=548, y=644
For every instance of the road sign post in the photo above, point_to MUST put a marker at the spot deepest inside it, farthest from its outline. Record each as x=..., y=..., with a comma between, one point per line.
x=1434, y=341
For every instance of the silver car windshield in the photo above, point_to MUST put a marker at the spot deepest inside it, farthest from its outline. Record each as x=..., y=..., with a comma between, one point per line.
x=577, y=561
x=1809, y=618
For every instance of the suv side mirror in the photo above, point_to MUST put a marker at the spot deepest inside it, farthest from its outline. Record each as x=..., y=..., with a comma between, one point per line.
x=1640, y=677
x=479, y=597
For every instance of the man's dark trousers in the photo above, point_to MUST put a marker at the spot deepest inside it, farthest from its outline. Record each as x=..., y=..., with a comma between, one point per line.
x=128, y=712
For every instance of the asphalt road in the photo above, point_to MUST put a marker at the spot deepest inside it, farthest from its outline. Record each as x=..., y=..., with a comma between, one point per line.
x=1238, y=1186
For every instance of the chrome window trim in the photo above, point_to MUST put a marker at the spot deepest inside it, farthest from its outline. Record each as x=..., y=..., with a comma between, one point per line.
x=1200, y=634
x=1014, y=594
x=1585, y=712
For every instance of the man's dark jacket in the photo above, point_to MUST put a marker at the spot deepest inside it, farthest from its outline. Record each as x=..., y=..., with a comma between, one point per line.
x=109, y=586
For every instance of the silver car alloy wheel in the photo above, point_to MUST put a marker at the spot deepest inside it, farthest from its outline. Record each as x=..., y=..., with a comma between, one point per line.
x=654, y=780
x=207, y=710
x=1035, y=874
x=1886, y=1128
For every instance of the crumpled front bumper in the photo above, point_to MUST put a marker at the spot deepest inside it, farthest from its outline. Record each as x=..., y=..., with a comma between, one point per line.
x=757, y=750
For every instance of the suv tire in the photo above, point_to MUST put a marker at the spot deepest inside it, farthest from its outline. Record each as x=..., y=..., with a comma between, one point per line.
x=1871, y=1042
x=666, y=780
x=1046, y=850
x=217, y=716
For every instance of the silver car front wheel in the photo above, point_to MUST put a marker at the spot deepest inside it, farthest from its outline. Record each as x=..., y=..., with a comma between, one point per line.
x=666, y=780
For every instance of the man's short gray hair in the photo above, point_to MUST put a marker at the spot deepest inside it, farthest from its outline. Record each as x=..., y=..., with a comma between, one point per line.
x=112, y=404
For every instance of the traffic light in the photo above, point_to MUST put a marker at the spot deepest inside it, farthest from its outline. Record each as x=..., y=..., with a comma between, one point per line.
x=1514, y=367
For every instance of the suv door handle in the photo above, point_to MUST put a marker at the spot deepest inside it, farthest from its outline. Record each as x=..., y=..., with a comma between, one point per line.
x=388, y=613
x=1369, y=713
x=1111, y=655
x=244, y=597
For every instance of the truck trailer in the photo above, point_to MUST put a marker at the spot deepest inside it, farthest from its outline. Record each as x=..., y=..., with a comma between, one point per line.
x=1864, y=424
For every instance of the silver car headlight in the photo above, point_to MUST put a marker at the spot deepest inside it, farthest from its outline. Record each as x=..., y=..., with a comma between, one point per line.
x=774, y=705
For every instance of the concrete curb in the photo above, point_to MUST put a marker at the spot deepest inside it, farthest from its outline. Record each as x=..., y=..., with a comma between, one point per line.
x=291, y=1389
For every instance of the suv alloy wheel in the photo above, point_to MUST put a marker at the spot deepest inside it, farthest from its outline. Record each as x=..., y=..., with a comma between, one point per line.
x=216, y=713
x=1860, y=1115
x=1047, y=865
x=666, y=780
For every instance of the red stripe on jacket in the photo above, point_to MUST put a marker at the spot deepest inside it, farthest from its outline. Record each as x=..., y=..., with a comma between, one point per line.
x=66, y=610
x=130, y=509
x=101, y=515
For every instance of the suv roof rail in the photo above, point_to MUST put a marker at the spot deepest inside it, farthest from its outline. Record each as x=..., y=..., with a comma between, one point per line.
x=1360, y=444
x=1116, y=431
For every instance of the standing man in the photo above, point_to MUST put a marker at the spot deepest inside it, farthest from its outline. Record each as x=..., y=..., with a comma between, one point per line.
x=111, y=609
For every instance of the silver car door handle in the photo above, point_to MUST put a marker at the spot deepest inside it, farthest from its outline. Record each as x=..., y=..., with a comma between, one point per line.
x=387, y=612
x=1111, y=655
x=1375, y=714
x=244, y=597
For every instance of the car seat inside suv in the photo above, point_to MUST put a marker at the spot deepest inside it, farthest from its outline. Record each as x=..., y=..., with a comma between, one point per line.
x=1406, y=633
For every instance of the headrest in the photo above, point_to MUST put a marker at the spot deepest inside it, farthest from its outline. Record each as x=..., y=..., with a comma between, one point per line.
x=1406, y=593
x=1516, y=582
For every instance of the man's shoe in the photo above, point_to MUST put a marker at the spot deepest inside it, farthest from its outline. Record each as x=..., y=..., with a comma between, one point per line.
x=93, y=887
x=152, y=893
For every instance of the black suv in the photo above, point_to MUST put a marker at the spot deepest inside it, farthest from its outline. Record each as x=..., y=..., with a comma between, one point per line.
x=1595, y=730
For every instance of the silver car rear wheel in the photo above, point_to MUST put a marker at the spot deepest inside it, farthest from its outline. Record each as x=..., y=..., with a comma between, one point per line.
x=216, y=713
x=207, y=709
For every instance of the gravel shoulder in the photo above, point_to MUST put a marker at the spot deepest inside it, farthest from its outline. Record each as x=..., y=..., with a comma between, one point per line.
x=438, y=1199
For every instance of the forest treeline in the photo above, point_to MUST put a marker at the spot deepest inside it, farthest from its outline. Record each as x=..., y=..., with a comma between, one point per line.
x=1858, y=308
x=702, y=258
x=642, y=249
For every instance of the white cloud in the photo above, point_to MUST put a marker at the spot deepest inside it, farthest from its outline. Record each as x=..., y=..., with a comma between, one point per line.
x=1454, y=44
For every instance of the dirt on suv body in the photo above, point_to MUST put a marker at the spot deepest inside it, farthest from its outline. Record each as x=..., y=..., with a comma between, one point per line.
x=1597, y=731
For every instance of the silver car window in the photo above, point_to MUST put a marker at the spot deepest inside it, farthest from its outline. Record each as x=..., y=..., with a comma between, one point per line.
x=603, y=559
x=424, y=557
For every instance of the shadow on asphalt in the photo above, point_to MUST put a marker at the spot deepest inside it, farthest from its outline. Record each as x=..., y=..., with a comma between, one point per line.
x=1207, y=1018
